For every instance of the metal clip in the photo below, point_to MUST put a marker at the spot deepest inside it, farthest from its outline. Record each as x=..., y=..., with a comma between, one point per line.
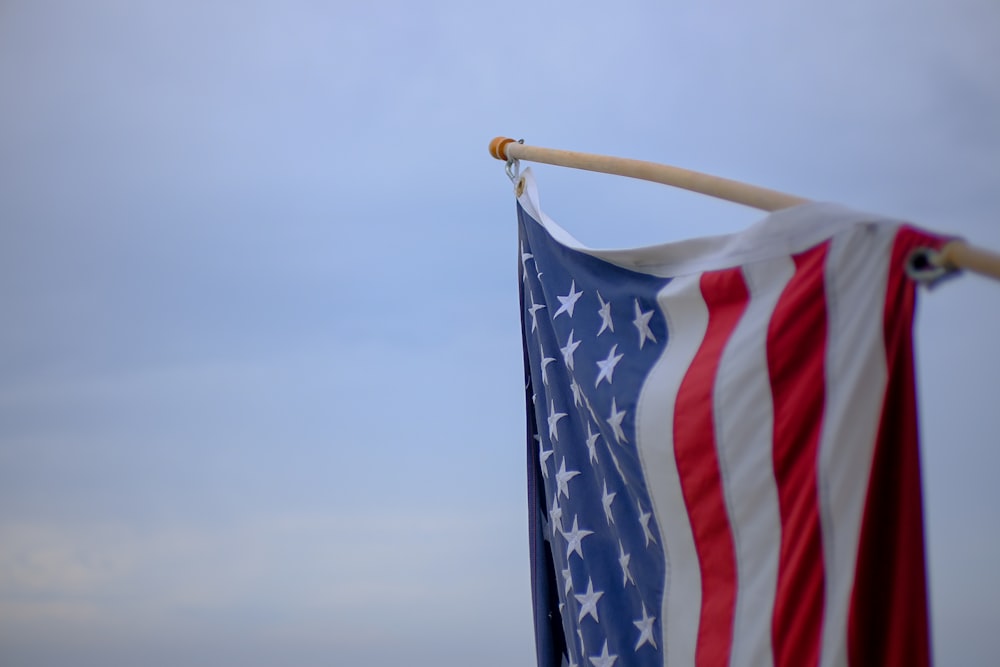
x=513, y=167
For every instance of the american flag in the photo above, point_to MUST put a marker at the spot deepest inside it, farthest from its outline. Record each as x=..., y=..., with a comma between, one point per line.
x=722, y=446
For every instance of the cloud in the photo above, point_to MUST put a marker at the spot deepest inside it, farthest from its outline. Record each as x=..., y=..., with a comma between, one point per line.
x=331, y=581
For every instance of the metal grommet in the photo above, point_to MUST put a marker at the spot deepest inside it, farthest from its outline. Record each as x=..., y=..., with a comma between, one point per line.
x=926, y=266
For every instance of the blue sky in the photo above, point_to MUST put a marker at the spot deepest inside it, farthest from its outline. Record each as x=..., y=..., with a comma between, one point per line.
x=260, y=363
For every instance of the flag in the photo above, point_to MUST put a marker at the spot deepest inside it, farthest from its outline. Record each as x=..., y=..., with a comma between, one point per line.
x=723, y=465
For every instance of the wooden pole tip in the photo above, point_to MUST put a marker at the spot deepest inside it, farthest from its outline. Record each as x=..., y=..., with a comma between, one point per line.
x=498, y=147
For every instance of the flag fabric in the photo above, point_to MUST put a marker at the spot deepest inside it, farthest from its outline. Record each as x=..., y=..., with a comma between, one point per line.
x=723, y=466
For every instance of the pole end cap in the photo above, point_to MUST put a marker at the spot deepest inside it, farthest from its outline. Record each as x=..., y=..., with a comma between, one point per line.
x=498, y=147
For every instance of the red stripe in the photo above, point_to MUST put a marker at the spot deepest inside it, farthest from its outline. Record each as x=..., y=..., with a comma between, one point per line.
x=887, y=622
x=796, y=351
x=726, y=296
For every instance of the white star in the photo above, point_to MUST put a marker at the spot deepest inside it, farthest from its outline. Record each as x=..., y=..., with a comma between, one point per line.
x=606, y=500
x=605, y=313
x=545, y=362
x=567, y=580
x=641, y=323
x=554, y=418
x=644, y=520
x=568, y=302
x=603, y=660
x=533, y=311
x=588, y=602
x=543, y=456
x=645, y=625
x=623, y=560
x=577, y=395
x=607, y=367
x=563, y=477
x=525, y=256
x=615, y=420
x=574, y=540
x=592, y=443
x=568, y=351
x=555, y=515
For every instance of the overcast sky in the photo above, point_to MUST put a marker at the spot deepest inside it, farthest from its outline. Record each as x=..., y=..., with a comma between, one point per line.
x=260, y=363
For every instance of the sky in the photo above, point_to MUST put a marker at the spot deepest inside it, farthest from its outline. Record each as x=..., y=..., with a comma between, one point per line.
x=261, y=392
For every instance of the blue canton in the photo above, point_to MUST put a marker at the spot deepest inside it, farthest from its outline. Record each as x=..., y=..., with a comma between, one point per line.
x=591, y=332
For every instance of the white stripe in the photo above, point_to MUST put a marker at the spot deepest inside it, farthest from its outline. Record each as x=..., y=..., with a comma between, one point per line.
x=744, y=421
x=856, y=278
x=687, y=320
x=781, y=233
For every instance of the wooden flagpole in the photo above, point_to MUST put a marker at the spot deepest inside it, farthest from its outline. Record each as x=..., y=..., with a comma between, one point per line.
x=954, y=255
